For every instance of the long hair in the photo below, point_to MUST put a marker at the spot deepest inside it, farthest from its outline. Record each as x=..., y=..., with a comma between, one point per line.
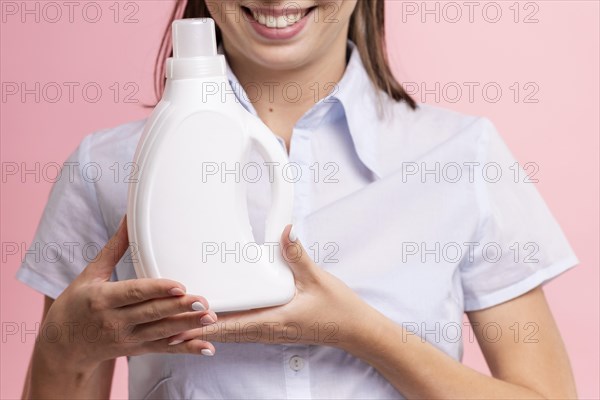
x=367, y=31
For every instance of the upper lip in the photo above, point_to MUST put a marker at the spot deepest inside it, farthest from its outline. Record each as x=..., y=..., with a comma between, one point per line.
x=278, y=12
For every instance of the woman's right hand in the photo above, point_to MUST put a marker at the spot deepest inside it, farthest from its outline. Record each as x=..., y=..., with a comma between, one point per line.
x=95, y=320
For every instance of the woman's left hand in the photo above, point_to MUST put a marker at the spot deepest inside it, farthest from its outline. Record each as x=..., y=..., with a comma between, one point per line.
x=324, y=310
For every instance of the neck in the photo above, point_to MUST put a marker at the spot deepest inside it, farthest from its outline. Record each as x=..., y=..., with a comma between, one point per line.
x=286, y=94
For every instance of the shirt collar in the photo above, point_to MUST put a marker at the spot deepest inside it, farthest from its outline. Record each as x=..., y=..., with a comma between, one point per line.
x=356, y=95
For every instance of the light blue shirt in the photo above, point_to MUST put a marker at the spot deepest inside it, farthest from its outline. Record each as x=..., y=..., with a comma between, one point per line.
x=424, y=214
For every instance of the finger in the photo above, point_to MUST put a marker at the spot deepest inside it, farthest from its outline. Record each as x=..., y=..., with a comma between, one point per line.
x=220, y=332
x=252, y=326
x=302, y=266
x=194, y=346
x=133, y=291
x=171, y=326
x=157, y=309
x=104, y=264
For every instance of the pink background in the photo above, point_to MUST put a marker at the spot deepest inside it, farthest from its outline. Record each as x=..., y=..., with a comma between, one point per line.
x=558, y=55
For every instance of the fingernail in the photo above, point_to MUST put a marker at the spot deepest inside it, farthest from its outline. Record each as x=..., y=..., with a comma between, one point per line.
x=121, y=222
x=197, y=306
x=292, y=235
x=176, y=292
x=207, y=352
x=207, y=320
x=176, y=341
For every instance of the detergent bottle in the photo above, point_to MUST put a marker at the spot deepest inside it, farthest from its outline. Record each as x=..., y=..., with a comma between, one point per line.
x=188, y=224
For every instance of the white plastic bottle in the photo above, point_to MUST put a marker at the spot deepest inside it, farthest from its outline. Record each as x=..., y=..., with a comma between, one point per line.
x=178, y=218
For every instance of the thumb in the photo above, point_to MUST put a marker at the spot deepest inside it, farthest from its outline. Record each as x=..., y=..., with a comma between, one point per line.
x=104, y=264
x=302, y=266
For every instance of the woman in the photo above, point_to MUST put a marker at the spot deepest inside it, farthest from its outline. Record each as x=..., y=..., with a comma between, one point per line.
x=406, y=216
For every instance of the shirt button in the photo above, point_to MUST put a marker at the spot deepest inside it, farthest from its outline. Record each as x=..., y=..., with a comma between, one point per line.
x=296, y=363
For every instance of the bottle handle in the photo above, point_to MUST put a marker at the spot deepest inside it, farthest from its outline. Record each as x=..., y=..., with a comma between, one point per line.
x=282, y=190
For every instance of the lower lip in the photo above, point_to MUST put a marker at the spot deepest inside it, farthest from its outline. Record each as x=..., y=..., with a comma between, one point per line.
x=279, y=33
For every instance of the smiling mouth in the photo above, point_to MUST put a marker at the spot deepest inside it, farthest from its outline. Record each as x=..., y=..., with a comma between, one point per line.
x=278, y=19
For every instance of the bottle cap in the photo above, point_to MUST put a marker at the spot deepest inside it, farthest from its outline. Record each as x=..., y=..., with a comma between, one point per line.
x=194, y=37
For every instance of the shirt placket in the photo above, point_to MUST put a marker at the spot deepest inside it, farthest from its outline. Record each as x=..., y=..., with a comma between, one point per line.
x=295, y=357
x=295, y=361
x=297, y=368
x=301, y=159
x=298, y=170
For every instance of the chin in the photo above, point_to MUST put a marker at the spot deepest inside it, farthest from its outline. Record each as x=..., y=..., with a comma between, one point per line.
x=277, y=57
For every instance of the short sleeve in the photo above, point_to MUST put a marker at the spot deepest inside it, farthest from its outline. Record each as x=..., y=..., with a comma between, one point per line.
x=70, y=232
x=519, y=245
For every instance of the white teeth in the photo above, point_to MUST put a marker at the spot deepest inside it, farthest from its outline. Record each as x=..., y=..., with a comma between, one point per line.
x=283, y=21
x=271, y=21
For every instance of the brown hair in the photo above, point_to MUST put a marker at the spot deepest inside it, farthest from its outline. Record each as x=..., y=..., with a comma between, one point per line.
x=367, y=31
